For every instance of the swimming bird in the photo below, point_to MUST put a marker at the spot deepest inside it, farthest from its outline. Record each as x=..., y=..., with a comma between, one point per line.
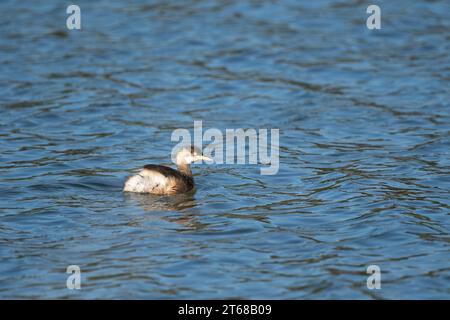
x=164, y=180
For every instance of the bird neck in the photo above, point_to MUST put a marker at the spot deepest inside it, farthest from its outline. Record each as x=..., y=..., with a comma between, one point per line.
x=185, y=169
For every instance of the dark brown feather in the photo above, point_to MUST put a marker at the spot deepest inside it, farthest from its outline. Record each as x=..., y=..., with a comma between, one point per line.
x=184, y=182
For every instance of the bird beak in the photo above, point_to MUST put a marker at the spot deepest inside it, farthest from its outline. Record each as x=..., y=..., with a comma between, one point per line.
x=205, y=158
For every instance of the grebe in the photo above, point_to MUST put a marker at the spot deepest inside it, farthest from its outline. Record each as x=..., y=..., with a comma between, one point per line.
x=164, y=180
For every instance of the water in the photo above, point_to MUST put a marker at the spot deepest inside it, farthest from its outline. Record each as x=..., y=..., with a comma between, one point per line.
x=364, y=149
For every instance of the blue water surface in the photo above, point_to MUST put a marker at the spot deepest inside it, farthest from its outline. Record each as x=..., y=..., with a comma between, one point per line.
x=364, y=174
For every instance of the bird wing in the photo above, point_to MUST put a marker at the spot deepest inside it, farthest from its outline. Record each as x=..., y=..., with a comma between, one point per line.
x=154, y=179
x=165, y=171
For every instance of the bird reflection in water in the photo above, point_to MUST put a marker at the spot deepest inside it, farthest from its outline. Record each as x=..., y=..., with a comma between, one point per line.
x=180, y=204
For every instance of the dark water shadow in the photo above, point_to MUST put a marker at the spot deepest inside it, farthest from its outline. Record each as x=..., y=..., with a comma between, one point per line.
x=152, y=203
x=174, y=209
